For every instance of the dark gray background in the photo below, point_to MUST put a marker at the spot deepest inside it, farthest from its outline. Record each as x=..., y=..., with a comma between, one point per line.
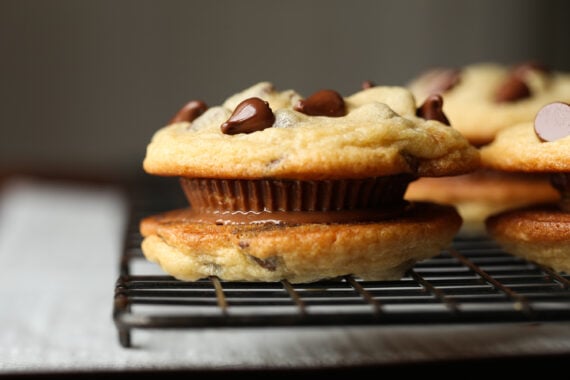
x=84, y=84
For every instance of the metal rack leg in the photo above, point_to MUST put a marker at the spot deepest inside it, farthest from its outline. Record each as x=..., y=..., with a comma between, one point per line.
x=125, y=337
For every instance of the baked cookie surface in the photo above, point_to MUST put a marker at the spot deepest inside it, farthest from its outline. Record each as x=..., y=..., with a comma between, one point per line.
x=306, y=252
x=483, y=193
x=379, y=134
x=539, y=233
x=518, y=148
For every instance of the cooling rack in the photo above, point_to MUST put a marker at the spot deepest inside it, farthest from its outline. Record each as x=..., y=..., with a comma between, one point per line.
x=471, y=281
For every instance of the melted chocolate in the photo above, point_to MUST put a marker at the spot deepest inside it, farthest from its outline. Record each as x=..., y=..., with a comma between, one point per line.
x=432, y=109
x=251, y=115
x=191, y=111
x=294, y=217
x=322, y=103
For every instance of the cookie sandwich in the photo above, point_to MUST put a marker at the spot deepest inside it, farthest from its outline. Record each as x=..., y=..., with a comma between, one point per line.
x=480, y=100
x=286, y=187
x=541, y=232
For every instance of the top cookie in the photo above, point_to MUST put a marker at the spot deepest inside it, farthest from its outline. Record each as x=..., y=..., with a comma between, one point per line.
x=542, y=146
x=483, y=98
x=264, y=133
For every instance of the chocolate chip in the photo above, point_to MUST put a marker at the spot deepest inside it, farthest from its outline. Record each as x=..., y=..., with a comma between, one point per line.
x=251, y=115
x=511, y=90
x=441, y=80
x=432, y=109
x=514, y=87
x=190, y=111
x=412, y=161
x=368, y=84
x=522, y=69
x=560, y=181
x=269, y=263
x=552, y=121
x=322, y=103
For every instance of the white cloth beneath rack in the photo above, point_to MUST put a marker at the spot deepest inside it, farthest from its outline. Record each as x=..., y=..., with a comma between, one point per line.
x=59, y=249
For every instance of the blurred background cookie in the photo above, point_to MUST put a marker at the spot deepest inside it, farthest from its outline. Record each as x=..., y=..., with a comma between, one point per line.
x=539, y=233
x=480, y=100
x=483, y=98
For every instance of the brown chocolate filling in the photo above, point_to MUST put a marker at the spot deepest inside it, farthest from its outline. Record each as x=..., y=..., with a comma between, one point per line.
x=293, y=217
x=223, y=201
x=561, y=182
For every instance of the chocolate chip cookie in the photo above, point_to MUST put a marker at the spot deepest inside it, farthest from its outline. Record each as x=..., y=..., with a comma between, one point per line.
x=540, y=233
x=480, y=100
x=483, y=98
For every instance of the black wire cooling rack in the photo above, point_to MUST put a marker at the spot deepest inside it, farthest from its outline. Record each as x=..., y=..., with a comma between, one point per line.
x=472, y=281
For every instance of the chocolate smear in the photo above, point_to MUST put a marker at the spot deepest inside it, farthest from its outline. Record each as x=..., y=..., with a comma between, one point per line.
x=190, y=112
x=251, y=115
x=552, y=122
x=322, y=103
x=432, y=109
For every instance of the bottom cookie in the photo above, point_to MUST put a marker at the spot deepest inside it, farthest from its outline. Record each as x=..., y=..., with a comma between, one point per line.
x=540, y=234
x=482, y=193
x=382, y=250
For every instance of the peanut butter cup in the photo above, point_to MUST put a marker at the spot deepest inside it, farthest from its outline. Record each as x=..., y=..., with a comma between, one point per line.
x=294, y=202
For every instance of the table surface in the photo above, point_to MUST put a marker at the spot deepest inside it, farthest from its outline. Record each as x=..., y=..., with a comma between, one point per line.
x=59, y=248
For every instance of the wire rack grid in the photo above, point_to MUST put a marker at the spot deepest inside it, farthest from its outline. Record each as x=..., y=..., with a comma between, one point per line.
x=472, y=281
